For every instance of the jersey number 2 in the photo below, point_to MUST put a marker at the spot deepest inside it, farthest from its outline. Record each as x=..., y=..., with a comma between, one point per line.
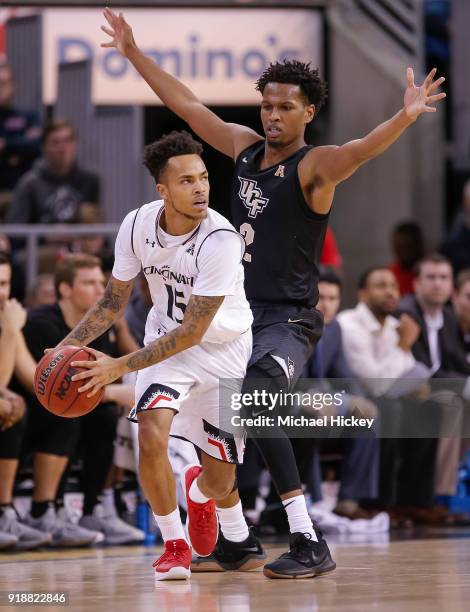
x=173, y=303
x=248, y=234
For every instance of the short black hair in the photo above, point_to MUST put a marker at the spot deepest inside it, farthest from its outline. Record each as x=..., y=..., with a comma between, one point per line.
x=157, y=154
x=409, y=228
x=296, y=73
x=364, y=278
x=326, y=274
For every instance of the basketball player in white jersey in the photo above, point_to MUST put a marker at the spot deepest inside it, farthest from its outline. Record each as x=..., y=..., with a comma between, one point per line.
x=198, y=331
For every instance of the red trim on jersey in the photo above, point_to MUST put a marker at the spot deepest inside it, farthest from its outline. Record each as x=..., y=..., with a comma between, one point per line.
x=221, y=448
x=157, y=399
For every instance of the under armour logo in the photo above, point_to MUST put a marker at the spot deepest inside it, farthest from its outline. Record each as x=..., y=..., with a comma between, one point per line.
x=152, y=242
x=280, y=171
x=191, y=249
x=252, y=196
x=245, y=160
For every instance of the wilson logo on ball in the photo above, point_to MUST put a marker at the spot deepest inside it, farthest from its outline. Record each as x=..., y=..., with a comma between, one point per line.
x=66, y=382
x=42, y=380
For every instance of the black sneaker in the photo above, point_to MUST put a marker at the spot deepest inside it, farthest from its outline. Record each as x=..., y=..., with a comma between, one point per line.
x=227, y=555
x=305, y=559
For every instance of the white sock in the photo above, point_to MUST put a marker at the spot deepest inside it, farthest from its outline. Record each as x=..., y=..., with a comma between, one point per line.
x=196, y=495
x=107, y=501
x=232, y=523
x=171, y=526
x=298, y=517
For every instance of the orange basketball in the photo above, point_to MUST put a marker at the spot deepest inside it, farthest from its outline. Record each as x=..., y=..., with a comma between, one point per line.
x=54, y=387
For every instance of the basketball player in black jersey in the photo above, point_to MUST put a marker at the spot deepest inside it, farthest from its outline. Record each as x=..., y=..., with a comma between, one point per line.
x=282, y=193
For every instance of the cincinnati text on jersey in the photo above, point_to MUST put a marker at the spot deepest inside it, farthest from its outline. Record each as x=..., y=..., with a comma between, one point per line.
x=167, y=274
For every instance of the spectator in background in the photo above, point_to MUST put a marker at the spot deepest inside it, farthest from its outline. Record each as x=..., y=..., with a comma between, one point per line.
x=378, y=348
x=20, y=134
x=13, y=533
x=18, y=281
x=42, y=292
x=14, y=358
x=408, y=248
x=456, y=246
x=14, y=355
x=376, y=344
x=438, y=347
x=330, y=255
x=79, y=283
x=57, y=189
x=437, y=344
x=461, y=304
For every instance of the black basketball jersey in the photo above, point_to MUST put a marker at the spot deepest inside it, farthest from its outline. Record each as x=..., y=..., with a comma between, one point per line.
x=284, y=237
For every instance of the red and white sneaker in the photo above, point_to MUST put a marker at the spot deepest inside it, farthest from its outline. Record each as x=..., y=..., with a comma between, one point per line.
x=175, y=562
x=202, y=524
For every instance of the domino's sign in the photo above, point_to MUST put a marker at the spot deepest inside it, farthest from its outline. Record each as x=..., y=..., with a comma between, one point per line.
x=218, y=53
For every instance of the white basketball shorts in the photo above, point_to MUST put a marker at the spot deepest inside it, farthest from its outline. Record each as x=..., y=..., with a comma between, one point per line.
x=188, y=383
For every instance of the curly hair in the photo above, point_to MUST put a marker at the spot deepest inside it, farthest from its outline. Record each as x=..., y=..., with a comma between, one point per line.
x=296, y=73
x=157, y=154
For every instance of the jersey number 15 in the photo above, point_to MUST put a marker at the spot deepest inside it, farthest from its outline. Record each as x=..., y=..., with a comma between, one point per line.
x=173, y=303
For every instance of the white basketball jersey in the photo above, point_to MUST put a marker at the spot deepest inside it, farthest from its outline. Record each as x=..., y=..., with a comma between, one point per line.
x=205, y=262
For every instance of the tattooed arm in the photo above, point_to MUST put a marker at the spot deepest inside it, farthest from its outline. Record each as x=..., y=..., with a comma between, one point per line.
x=197, y=318
x=103, y=314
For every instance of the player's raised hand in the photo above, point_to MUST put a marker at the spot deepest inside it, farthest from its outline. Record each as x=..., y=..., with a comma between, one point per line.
x=417, y=100
x=120, y=32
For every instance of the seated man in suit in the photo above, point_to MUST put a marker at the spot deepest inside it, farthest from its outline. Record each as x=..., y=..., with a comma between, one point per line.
x=438, y=347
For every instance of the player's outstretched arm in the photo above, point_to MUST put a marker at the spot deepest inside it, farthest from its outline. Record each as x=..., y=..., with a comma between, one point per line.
x=198, y=316
x=335, y=164
x=103, y=314
x=228, y=138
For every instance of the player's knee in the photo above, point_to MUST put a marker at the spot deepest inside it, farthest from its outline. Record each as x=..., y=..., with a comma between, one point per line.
x=152, y=440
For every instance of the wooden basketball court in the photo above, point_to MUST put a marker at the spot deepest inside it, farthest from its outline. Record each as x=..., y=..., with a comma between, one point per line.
x=431, y=574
